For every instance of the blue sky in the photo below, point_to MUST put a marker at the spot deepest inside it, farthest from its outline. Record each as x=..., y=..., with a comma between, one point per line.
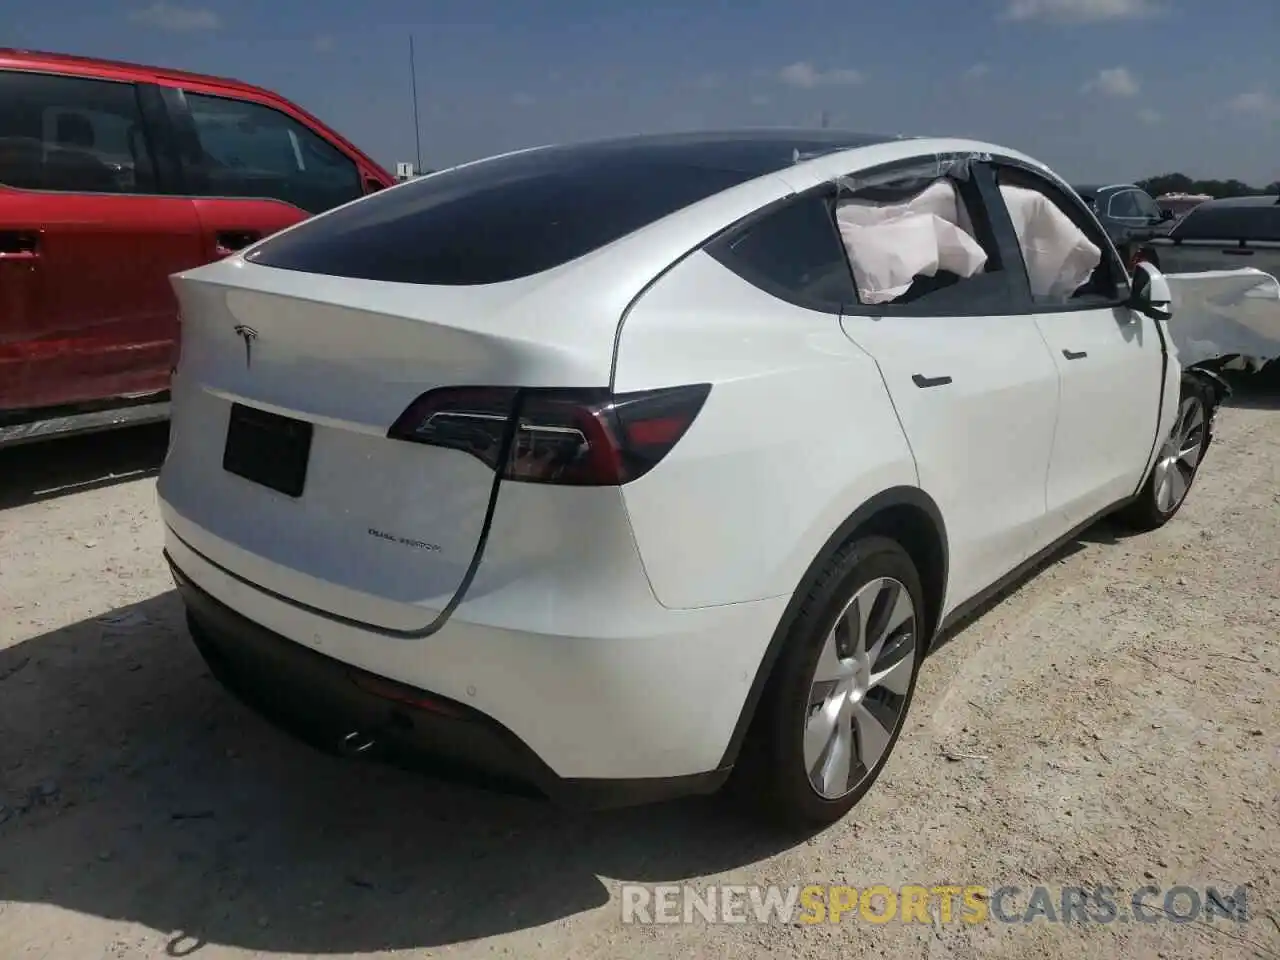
x=1099, y=89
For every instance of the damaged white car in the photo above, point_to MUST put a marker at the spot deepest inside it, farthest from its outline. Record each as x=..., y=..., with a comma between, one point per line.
x=623, y=469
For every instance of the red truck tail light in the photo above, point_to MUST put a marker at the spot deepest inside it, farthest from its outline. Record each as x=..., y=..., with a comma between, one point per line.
x=569, y=437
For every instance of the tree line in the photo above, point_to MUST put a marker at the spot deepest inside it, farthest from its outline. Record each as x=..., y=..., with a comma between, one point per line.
x=1181, y=183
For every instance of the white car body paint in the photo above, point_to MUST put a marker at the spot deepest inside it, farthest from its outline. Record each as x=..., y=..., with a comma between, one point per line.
x=617, y=630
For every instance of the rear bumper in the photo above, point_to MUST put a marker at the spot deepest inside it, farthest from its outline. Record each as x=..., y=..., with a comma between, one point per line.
x=343, y=709
x=595, y=677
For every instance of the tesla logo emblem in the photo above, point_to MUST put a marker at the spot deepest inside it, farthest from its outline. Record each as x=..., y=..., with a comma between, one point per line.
x=248, y=335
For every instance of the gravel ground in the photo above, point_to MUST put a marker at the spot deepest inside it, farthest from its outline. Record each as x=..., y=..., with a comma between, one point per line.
x=1113, y=721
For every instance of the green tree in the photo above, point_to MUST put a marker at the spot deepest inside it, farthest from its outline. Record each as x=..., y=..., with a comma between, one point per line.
x=1181, y=183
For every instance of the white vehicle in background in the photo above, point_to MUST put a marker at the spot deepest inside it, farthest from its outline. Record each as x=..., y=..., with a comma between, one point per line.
x=626, y=468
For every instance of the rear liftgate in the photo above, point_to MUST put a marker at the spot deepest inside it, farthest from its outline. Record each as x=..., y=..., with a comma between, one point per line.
x=563, y=437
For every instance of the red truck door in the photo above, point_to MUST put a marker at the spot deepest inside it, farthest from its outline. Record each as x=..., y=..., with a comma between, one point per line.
x=87, y=243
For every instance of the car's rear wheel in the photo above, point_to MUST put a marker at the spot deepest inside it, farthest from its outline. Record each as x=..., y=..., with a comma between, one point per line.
x=839, y=694
x=1177, y=462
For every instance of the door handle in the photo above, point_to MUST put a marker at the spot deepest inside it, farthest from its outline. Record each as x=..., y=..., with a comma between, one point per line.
x=923, y=381
x=1237, y=252
x=1073, y=355
x=227, y=242
x=22, y=246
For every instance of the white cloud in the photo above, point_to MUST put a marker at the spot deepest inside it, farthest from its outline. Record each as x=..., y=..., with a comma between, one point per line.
x=176, y=19
x=1256, y=103
x=322, y=44
x=523, y=100
x=1150, y=117
x=806, y=76
x=1079, y=11
x=977, y=71
x=1113, y=82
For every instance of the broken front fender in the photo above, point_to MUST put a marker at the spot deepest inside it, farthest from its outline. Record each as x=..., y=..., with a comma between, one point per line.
x=1225, y=314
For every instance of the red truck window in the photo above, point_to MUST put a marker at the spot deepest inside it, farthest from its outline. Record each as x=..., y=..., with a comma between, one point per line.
x=71, y=134
x=251, y=150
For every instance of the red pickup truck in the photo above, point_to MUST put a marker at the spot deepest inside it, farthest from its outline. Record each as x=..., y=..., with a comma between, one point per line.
x=112, y=177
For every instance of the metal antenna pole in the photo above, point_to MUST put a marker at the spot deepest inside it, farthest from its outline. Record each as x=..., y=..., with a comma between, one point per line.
x=417, y=130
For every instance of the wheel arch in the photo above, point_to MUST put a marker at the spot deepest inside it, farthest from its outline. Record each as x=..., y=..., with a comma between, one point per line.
x=905, y=514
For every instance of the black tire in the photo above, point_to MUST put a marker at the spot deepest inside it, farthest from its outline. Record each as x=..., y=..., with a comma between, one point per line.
x=1149, y=511
x=772, y=774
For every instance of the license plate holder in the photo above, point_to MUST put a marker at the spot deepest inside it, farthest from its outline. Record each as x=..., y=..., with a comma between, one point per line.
x=268, y=449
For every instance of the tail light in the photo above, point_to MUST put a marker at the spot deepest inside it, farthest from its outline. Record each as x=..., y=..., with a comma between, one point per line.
x=571, y=437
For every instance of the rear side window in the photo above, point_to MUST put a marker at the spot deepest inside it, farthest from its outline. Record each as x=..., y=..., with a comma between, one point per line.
x=250, y=150
x=792, y=253
x=1124, y=205
x=497, y=220
x=74, y=135
x=1230, y=222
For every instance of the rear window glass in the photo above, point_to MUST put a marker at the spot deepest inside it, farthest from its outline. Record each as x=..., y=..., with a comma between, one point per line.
x=518, y=215
x=793, y=253
x=1230, y=222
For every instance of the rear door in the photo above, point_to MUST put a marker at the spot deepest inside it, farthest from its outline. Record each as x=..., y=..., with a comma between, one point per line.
x=1110, y=360
x=88, y=240
x=977, y=394
x=254, y=169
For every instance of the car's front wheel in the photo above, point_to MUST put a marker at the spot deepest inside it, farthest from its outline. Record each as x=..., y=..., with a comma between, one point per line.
x=838, y=696
x=1177, y=462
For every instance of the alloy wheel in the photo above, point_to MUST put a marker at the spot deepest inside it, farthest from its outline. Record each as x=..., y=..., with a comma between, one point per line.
x=1180, y=455
x=860, y=685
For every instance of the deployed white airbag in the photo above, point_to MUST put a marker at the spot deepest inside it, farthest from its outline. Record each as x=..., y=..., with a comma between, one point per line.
x=890, y=244
x=1060, y=258
x=1225, y=313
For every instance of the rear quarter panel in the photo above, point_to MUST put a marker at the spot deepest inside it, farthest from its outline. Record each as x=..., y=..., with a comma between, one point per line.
x=798, y=432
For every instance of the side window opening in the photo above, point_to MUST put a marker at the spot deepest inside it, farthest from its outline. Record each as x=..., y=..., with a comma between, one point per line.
x=913, y=245
x=1060, y=260
x=1063, y=251
x=1124, y=206
x=1147, y=207
x=792, y=253
x=251, y=150
x=72, y=134
x=922, y=244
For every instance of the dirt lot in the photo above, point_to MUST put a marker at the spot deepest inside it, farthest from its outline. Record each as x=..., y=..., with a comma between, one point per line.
x=1116, y=721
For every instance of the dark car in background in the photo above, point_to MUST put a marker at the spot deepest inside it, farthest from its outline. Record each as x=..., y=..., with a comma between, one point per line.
x=114, y=176
x=1131, y=217
x=1225, y=234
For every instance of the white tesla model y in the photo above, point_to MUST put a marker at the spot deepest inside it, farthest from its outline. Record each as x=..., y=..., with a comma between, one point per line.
x=615, y=469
